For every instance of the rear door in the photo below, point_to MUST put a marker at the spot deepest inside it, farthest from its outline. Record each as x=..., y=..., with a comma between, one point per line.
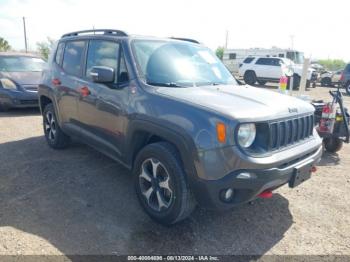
x=66, y=81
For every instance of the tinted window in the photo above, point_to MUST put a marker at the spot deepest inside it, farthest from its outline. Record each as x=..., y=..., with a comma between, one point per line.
x=264, y=61
x=248, y=60
x=102, y=53
x=72, y=59
x=275, y=62
x=59, y=53
x=347, y=68
x=232, y=56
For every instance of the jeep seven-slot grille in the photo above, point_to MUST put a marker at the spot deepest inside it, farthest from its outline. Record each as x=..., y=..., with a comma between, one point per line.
x=287, y=132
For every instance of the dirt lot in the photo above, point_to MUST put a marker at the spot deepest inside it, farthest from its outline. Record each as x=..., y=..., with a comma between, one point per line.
x=78, y=201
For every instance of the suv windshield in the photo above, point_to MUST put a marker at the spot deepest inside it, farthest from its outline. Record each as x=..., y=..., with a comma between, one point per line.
x=170, y=63
x=21, y=64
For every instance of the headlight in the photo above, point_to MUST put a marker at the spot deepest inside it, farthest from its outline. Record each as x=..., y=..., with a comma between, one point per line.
x=246, y=135
x=8, y=84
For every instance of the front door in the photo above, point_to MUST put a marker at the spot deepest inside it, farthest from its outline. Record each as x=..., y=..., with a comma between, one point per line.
x=102, y=107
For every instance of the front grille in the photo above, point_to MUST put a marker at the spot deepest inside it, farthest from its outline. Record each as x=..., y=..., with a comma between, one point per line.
x=287, y=132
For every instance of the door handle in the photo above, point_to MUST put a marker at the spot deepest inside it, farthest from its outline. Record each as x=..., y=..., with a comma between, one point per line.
x=56, y=82
x=84, y=91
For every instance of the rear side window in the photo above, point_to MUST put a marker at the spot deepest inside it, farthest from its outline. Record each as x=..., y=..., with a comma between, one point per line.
x=102, y=53
x=264, y=61
x=248, y=60
x=59, y=53
x=72, y=59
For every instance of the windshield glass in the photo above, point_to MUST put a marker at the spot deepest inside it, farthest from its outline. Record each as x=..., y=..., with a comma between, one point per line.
x=170, y=63
x=21, y=64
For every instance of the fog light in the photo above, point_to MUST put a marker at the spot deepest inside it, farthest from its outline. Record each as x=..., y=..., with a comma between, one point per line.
x=226, y=195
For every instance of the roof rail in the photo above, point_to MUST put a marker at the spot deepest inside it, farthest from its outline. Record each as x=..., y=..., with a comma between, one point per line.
x=94, y=31
x=185, y=39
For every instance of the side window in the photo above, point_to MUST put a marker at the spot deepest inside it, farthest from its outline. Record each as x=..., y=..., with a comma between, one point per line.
x=102, y=53
x=72, y=59
x=123, y=75
x=280, y=55
x=263, y=61
x=347, y=69
x=232, y=56
x=59, y=53
x=248, y=60
x=275, y=62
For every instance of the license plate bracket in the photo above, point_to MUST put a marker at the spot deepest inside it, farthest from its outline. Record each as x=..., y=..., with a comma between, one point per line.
x=300, y=174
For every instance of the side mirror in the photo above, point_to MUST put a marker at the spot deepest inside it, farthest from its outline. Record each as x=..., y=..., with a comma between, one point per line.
x=102, y=74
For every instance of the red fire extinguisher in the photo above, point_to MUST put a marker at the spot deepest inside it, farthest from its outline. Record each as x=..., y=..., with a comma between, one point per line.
x=328, y=118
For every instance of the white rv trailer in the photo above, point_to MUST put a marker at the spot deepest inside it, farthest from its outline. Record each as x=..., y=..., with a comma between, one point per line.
x=234, y=57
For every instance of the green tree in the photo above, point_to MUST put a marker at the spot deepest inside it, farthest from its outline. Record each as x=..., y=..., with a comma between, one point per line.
x=332, y=64
x=4, y=45
x=45, y=47
x=220, y=52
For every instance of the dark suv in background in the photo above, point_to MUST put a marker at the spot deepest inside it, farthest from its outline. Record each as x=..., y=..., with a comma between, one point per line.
x=345, y=78
x=170, y=111
x=20, y=74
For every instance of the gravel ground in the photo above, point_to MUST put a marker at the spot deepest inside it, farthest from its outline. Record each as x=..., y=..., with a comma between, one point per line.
x=77, y=201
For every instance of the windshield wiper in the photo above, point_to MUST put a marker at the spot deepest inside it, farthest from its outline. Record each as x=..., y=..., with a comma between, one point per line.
x=169, y=84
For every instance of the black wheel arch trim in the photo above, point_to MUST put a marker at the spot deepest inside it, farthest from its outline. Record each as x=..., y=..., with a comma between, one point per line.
x=175, y=135
x=45, y=91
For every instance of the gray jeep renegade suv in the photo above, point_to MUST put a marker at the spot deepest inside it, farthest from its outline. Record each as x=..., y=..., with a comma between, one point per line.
x=168, y=110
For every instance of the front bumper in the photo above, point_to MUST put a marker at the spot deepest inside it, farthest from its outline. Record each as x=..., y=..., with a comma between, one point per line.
x=208, y=192
x=18, y=99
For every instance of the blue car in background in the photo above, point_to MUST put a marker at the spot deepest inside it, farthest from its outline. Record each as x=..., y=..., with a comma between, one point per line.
x=19, y=78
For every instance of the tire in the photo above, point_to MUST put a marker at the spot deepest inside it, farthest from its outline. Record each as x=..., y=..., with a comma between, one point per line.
x=296, y=82
x=249, y=77
x=175, y=195
x=332, y=144
x=326, y=81
x=53, y=133
x=347, y=88
x=314, y=85
x=308, y=83
x=262, y=82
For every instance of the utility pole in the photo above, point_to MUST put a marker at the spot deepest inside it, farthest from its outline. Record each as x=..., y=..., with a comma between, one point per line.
x=25, y=34
x=226, y=41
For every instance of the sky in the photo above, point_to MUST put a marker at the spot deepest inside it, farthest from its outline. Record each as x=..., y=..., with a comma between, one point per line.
x=320, y=29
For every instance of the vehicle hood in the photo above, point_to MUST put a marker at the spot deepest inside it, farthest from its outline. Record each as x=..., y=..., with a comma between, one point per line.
x=23, y=78
x=240, y=102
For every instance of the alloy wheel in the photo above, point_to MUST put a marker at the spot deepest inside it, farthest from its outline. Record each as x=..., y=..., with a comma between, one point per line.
x=154, y=181
x=50, y=126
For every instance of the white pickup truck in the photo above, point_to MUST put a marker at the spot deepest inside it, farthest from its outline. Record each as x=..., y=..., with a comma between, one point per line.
x=271, y=69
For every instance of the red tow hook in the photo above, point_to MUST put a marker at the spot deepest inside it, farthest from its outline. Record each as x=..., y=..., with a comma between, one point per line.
x=265, y=194
x=313, y=169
